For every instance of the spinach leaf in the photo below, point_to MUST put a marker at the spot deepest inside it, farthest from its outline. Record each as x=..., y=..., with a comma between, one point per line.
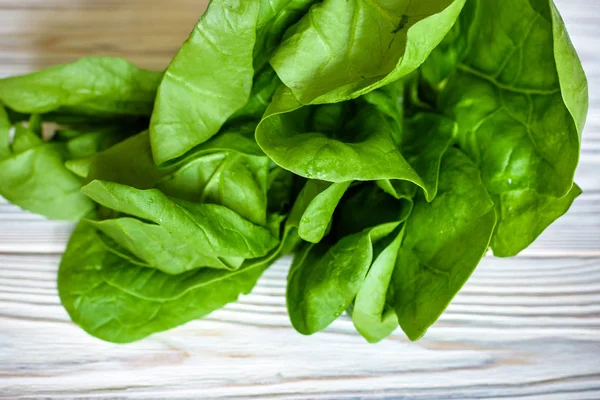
x=281, y=190
x=119, y=301
x=82, y=146
x=214, y=229
x=34, y=176
x=353, y=141
x=324, y=279
x=356, y=211
x=24, y=139
x=5, y=127
x=154, y=246
x=332, y=53
x=525, y=214
x=37, y=181
x=387, y=145
x=234, y=180
x=115, y=164
x=314, y=207
x=104, y=87
x=443, y=243
x=211, y=77
x=511, y=79
x=229, y=170
x=373, y=317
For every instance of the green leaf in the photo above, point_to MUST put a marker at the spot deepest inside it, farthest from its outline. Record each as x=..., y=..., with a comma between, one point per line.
x=443, y=243
x=35, y=124
x=25, y=139
x=390, y=101
x=353, y=141
x=87, y=144
x=212, y=77
x=229, y=170
x=332, y=53
x=93, y=86
x=34, y=176
x=425, y=139
x=214, y=229
x=314, y=207
x=364, y=149
x=80, y=167
x=372, y=315
x=114, y=164
x=37, y=181
x=519, y=95
x=263, y=87
x=118, y=301
x=239, y=183
x=280, y=190
x=154, y=245
x=209, y=79
x=5, y=127
x=324, y=279
x=355, y=212
x=525, y=214
x=274, y=18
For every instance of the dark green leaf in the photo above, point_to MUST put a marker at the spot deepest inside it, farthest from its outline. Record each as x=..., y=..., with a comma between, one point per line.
x=372, y=316
x=511, y=79
x=324, y=279
x=525, y=215
x=314, y=208
x=443, y=243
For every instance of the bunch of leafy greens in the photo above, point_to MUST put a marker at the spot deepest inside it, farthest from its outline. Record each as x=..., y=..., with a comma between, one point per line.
x=386, y=144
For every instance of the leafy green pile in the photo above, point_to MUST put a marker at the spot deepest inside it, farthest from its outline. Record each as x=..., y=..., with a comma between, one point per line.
x=386, y=144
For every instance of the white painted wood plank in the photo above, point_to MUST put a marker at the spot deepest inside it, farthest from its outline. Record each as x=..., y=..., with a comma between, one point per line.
x=523, y=328
x=482, y=346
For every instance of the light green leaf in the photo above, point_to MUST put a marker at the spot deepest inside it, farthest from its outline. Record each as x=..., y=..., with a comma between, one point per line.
x=314, y=207
x=240, y=184
x=341, y=49
x=118, y=301
x=24, y=139
x=92, y=86
x=224, y=170
x=212, y=77
x=154, y=245
x=5, y=127
x=216, y=230
x=209, y=79
x=114, y=164
x=362, y=149
x=37, y=181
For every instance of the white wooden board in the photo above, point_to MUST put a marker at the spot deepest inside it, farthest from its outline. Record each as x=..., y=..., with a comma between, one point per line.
x=522, y=328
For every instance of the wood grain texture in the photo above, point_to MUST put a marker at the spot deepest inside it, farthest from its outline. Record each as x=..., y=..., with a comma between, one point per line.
x=522, y=328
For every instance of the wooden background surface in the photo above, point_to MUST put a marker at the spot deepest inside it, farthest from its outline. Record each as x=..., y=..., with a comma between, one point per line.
x=523, y=328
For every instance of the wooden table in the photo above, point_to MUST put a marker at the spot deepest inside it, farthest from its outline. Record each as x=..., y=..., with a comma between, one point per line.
x=527, y=327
